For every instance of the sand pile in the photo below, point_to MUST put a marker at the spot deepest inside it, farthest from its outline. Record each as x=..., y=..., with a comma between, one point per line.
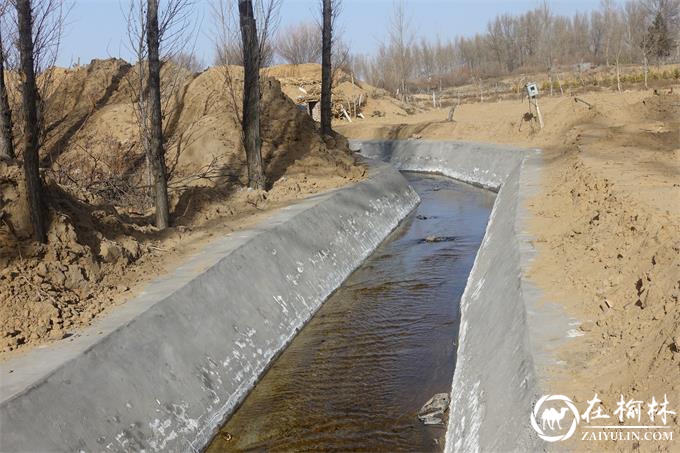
x=303, y=82
x=623, y=260
x=102, y=245
x=614, y=263
x=14, y=214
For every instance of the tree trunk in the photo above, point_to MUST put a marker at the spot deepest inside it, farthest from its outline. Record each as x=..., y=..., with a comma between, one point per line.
x=618, y=74
x=451, y=112
x=326, y=68
x=34, y=187
x=559, y=83
x=606, y=52
x=251, y=95
x=6, y=140
x=155, y=151
x=646, y=69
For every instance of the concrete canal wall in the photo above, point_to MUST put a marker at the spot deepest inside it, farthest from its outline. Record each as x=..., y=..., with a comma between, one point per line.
x=496, y=379
x=163, y=371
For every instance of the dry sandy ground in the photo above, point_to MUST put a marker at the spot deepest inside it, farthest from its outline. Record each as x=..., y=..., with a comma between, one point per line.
x=607, y=231
x=102, y=248
x=300, y=82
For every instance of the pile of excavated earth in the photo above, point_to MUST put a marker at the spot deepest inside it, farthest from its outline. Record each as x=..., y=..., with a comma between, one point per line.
x=302, y=83
x=102, y=246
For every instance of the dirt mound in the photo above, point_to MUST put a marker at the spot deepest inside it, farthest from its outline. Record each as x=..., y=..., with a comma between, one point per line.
x=202, y=127
x=302, y=83
x=14, y=211
x=101, y=241
x=306, y=71
x=503, y=122
x=663, y=105
x=614, y=262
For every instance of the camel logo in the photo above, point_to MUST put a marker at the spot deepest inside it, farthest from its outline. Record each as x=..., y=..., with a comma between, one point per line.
x=552, y=418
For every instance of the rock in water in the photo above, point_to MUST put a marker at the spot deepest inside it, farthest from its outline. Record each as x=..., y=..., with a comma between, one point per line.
x=435, y=239
x=432, y=413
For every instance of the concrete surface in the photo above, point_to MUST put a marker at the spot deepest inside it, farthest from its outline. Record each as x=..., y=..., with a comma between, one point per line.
x=483, y=165
x=506, y=337
x=163, y=371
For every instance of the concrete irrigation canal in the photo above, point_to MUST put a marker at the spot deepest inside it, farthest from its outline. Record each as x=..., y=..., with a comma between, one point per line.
x=381, y=346
x=390, y=321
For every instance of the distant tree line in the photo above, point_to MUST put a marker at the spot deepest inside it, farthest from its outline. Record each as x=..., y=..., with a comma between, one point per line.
x=636, y=32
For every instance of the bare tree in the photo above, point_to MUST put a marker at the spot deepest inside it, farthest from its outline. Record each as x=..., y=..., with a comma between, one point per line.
x=228, y=41
x=135, y=18
x=617, y=40
x=327, y=67
x=230, y=53
x=188, y=61
x=661, y=41
x=170, y=35
x=239, y=40
x=49, y=17
x=6, y=125
x=34, y=185
x=251, y=95
x=299, y=43
x=639, y=21
x=49, y=21
x=401, y=41
x=608, y=8
x=341, y=57
x=334, y=57
x=156, y=153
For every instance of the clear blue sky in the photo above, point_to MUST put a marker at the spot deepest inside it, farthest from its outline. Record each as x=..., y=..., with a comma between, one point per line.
x=96, y=28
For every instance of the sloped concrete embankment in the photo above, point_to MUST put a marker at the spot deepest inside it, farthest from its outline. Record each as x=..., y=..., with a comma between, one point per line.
x=496, y=379
x=488, y=166
x=163, y=371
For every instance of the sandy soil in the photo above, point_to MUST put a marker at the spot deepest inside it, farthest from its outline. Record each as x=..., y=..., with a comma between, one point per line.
x=102, y=246
x=607, y=231
x=300, y=82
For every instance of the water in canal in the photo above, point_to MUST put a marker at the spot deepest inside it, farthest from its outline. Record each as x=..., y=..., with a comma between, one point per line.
x=380, y=347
